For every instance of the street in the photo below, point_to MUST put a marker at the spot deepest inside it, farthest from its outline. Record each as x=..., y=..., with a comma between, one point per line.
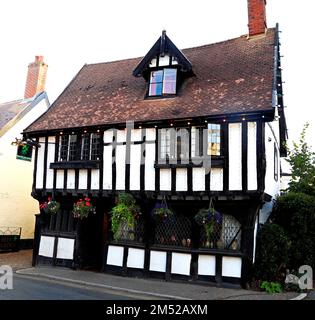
x=31, y=288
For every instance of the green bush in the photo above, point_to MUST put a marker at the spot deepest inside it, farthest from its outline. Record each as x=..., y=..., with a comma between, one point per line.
x=295, y=212
x=272, y=253
x=271, y=287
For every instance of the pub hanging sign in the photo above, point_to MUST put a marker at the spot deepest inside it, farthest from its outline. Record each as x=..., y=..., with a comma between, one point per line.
x=24, y=152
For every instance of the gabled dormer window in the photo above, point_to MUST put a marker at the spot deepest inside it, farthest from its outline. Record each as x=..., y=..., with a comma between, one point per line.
x=163, y=82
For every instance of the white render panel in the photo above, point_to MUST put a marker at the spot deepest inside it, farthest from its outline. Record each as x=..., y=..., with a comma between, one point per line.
x=231, y=267
x=83, y=179
x=149, y=171
x=59, y=179
x=181, y=263
x=165, y=180
x=198, y=179
x=153, y=63
x=235, y=156
x=40, y=164
x=108, y=136
x=150, y=134
x=157, y=261
x=164, y=61
x=95, y=179
x=206, y=265
x=121, y=135
x=251, y=157
x=46, y=246
x=181, y=179
x=136, y=135
x=107, y=168
x=135, y=258
x=120, y=167
x=216, y=179
x=50, y=159
x=115, y=256
x=65, y=248
x=135, y=159
x=71, y=179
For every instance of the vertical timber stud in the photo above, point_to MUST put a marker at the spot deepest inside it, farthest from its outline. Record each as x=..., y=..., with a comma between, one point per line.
x=225, y=151
x=142, y=159
x=56, y=160
x=127, y=159
x=45, y=163
x=244, y=155
x=35, y=168
x=261, y=156
x=218, y=269
x=125, y=258
x=189, y=169
x=168, y=265
x=157, y=170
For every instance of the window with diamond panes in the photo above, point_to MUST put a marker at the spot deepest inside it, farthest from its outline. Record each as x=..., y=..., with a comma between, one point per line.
x=85, y=147
x=63, y=151
x=95, y=146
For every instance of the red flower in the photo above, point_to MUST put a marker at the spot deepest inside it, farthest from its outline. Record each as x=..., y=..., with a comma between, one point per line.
x=87, y=204
x=49, y=199
x=87, y=199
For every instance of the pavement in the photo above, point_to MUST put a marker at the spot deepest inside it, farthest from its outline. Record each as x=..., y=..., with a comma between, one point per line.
x=148, y=288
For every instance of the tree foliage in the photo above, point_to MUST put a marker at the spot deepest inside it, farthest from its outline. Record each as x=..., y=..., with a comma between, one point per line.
x=302, y=161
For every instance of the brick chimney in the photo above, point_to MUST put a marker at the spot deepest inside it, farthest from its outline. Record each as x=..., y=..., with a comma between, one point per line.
x=257, y=22
x=36, y=77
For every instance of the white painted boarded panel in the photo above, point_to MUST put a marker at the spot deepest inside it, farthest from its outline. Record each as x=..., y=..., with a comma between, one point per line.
x=40, y=164
x=95, y=179
x=216, y=179
x=164, y=61
x=121, y=135
x=157, y=261
x=136, y=135
x=115, y=256
x=135, y=158
x=150, y=134
x=120, y=167
x=206, y=265
x=83, y=179
x=65, y=248
x=165, y=179
x=50, y=159
x=251, y=157
x=181, y=179
x=135, y=258
x=107, y=168
x=198, y=179
x=71, y=179
x=149, y=170
x=108, y=136
x=181, y=263
x=46, y=246
x=59, y=179
x=231, y=267
x=235, y=156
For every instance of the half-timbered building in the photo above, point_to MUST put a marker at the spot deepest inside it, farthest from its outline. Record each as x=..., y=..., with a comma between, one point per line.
x=183, y=128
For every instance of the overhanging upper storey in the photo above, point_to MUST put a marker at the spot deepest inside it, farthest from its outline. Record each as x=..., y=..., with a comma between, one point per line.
x=163, y=53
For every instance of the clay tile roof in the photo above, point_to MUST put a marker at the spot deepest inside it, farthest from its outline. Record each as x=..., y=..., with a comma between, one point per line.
x=230, y=77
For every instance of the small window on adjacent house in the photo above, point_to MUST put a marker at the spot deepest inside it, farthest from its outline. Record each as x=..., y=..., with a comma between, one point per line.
x=214, y=139
x=163, y=82
x=276, y=163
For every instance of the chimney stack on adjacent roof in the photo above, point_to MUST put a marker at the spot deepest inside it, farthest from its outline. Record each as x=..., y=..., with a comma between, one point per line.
x=36, y=77
x=257, y=23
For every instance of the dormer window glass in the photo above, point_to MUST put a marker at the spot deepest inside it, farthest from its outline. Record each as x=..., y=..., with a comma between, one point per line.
x=163, y=82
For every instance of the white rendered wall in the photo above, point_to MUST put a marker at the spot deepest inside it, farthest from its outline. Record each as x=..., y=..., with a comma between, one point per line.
x=198, y=179
x=50, y=159
x=135, y=159
x=252, y=156
x=235, y=156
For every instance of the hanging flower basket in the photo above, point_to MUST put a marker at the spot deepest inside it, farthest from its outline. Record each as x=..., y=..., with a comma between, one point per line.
x=83, y=208
x=209, y=219
x=162, y=213
x=50, y=206
x=124, y=216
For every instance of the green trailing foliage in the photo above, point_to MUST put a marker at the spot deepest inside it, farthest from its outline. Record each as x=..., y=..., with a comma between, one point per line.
x=125, y=212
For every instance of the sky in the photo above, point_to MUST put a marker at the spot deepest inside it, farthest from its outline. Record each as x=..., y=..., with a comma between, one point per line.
x=70, y=33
